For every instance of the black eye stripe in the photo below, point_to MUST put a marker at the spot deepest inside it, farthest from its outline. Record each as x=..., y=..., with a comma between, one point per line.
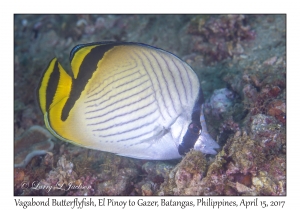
x=192, y=134
x=195, y=128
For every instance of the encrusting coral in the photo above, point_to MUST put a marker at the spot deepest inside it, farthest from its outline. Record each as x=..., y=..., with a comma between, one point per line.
x=35, y=141
x=220, y=37
x=219, y=103
x=63, y=180
x=186, y=175
x=241, y=168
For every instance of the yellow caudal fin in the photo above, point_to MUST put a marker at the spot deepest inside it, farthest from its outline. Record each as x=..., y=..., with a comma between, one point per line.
x=54, y=86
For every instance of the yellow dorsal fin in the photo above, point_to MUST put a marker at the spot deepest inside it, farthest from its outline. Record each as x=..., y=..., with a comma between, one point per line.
x=78, y=58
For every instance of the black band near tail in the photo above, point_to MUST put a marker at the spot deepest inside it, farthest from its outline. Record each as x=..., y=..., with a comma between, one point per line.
x=87, y=68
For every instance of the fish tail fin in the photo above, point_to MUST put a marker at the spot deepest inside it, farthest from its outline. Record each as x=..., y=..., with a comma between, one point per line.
x=54, y=85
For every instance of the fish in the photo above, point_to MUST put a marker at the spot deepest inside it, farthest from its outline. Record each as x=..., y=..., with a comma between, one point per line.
x=127, y=98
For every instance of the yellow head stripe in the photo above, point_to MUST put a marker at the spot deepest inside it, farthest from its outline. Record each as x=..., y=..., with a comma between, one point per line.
x=78, y=58
x=42, y=93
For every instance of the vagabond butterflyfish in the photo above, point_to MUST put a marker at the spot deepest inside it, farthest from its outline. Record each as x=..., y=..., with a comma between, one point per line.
x=127, y=98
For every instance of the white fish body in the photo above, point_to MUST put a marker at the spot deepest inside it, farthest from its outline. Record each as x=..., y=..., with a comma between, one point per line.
x=137, y=102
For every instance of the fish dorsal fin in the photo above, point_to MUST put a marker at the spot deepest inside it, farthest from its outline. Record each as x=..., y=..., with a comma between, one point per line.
x=78, y=57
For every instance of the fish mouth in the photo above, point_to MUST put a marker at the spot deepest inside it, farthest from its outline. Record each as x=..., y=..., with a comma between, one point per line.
x=210, y=151
x=207, y=145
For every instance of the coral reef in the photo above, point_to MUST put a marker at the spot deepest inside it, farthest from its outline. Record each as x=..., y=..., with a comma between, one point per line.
x=218, y=38
x=156, y=173
x=116, y=175
x=60, y=178
x=35, y=141
x=241, y=63
x=219, y=103
x=183, y=178
x=83, y=186
x=241, y=168
x=63, y=180
x=118, y=183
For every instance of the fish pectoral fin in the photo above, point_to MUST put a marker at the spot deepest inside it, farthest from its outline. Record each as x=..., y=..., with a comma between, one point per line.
x=158, y=134
x=160, y=146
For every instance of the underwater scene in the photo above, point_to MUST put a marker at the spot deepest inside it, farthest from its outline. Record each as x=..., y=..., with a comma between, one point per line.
x=149, y=105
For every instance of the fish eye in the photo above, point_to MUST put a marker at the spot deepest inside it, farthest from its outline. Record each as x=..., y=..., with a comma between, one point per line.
x=195, y=128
